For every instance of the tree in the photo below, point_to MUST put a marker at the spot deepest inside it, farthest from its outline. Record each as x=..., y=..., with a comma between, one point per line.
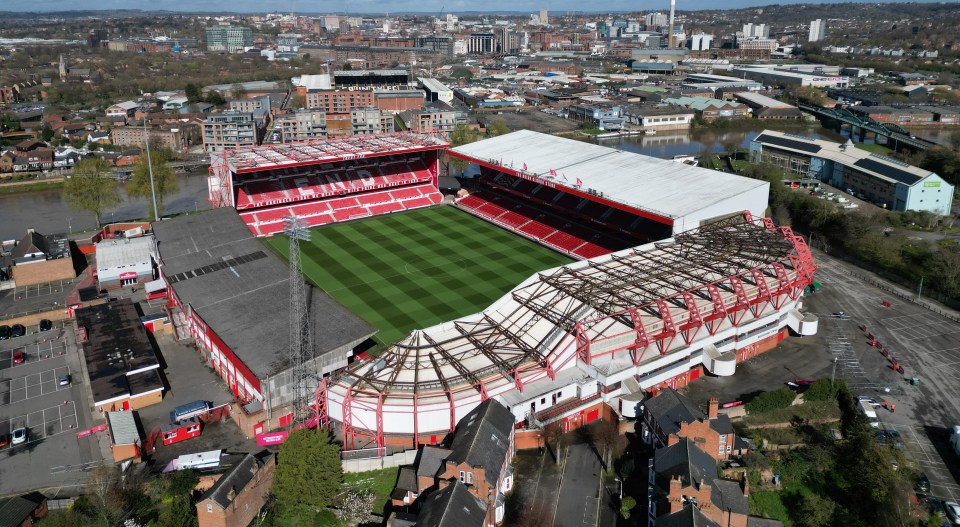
x=238, y=91
x=46, y=133
x=355, y=506
x=193, y=93
x=605, y=437
x=460, y=135
x=497, y=127
x=626, y=506
x=102, y=490
x=816, y=511
x=180, y=513
x=347, y=66
x=164, y=180
x=92, y=187
x=309, y=474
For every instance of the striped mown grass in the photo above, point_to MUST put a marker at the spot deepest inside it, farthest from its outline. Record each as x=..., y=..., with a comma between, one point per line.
x=414, y=269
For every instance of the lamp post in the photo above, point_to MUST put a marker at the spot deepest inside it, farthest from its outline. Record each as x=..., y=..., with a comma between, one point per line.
x=620, y=481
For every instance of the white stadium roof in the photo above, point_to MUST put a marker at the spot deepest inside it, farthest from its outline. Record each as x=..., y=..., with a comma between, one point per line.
x=668, y=190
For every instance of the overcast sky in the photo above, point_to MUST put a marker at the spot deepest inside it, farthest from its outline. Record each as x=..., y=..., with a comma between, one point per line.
x=375, y=6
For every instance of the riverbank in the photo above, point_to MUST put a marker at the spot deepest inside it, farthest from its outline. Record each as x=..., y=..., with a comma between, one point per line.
x=29, y=185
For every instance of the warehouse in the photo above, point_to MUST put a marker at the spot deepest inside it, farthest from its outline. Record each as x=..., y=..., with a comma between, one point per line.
x=791, y=75
x=126, y=261
x=879, y=179
x=232, y=298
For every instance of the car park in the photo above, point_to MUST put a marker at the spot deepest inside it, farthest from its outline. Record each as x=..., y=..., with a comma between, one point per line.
x=18, y=357
x=17, y=330
x=19, y=436
x=46, y=325
x=4, y=332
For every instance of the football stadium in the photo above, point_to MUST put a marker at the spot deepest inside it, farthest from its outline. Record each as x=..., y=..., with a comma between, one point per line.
x=567, y=281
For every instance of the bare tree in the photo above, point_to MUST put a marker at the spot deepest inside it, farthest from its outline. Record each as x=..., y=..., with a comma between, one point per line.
x=102, y=488
x=553, y=433
x=605, y=437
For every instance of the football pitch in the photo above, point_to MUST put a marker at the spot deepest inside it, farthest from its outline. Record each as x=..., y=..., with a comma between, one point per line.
x=415, y=269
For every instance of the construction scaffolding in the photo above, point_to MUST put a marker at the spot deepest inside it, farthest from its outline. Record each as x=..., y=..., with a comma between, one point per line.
x=618, y=311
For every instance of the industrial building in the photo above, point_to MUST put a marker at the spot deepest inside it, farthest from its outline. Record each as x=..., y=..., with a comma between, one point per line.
x=126, y=261
x=767, y=107
x=793, y=75
x=121, y=363
x=706, y=81
x=436, y=90
x=879, y=179
x=38, y=259
x=230, y=295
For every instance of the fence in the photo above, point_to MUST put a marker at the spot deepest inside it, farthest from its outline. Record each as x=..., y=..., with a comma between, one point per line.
x=353, y=464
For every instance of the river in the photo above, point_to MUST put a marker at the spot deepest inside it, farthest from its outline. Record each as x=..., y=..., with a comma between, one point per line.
x=47, y=210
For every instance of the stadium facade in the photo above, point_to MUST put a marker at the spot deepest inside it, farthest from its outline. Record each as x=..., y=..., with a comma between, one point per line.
x=569, y=340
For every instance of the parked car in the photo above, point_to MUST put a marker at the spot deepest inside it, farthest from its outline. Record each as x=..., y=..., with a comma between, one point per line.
x=46, y=325
x=923, y=483
x=17, y=330
x=953, y=511
x=18, y=357
x=19, y=436
x=4, y=440
x=63, y=380
x=4, y=332
x=868, y=400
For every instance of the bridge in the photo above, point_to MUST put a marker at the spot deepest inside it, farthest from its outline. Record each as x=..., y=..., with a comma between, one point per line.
x=897, y=137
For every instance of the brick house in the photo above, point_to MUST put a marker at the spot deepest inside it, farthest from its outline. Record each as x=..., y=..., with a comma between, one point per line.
x=478, y=459
x=22, y=511
x=686, y=475
x=237, y=497
x=39, y=259
x=670, y=416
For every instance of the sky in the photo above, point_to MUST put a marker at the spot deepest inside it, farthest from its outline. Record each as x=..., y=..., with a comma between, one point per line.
x=379, y=6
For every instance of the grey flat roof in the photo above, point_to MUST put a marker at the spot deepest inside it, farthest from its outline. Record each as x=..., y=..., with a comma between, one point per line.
x=241, y=289
x=663, y=188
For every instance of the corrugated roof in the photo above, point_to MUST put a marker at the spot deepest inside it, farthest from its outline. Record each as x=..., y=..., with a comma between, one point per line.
x=123, y=428
x=117, y=252
x=656, y=186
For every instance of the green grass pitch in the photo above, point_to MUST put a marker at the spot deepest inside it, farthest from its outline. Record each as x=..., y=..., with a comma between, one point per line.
x=412, y=270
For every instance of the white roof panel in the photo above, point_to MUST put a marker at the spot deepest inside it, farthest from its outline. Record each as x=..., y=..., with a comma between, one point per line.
x=657, y=186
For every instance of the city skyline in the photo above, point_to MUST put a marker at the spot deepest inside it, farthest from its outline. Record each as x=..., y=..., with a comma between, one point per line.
x=388, y=6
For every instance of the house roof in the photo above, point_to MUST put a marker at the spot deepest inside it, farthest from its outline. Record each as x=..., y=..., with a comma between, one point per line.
x=236, y=479
x=722, y=425
x=669, y=409
x=687, y=461
x=727, y=495
x=16, y=509
x=431, y=459
x=482, y=439
x=406, y=482
x=756, y=521
x=689, y=516
x=32, y=242
x=452, y=506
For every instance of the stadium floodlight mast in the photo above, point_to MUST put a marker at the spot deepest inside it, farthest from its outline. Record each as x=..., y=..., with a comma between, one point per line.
x=301, y=347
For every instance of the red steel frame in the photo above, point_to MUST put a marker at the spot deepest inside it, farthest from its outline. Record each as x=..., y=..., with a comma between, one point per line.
x=802, y=263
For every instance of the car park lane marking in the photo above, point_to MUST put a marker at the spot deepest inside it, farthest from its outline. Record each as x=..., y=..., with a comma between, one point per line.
x=32, y=386
x=42, y=424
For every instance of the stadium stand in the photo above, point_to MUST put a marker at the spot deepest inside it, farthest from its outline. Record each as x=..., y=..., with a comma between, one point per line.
x=327, y=181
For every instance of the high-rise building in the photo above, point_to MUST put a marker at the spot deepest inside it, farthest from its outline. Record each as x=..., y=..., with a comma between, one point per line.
x=544, y=18
x=656, y=19
x=756, y=31
x=302, y=125
x=228, y=38
x=818, y=30
x=700, y=42
x=480, y=43
x=229, y=130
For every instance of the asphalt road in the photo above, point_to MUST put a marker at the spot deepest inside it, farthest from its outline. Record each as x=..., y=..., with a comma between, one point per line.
x=53, y=458
x=577, y=505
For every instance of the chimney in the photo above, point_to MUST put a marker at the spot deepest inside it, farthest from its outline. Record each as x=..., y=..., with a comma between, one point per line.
x=745, y=484
x=232, y=494
x=713, y=408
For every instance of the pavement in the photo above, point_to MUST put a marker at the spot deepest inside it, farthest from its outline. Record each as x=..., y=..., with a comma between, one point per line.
x=53, y=459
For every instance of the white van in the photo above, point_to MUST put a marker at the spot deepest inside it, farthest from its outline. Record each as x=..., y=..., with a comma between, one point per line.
x=867, y=410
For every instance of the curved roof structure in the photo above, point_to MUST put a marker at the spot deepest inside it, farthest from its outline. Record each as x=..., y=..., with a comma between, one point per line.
x=615, y=311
